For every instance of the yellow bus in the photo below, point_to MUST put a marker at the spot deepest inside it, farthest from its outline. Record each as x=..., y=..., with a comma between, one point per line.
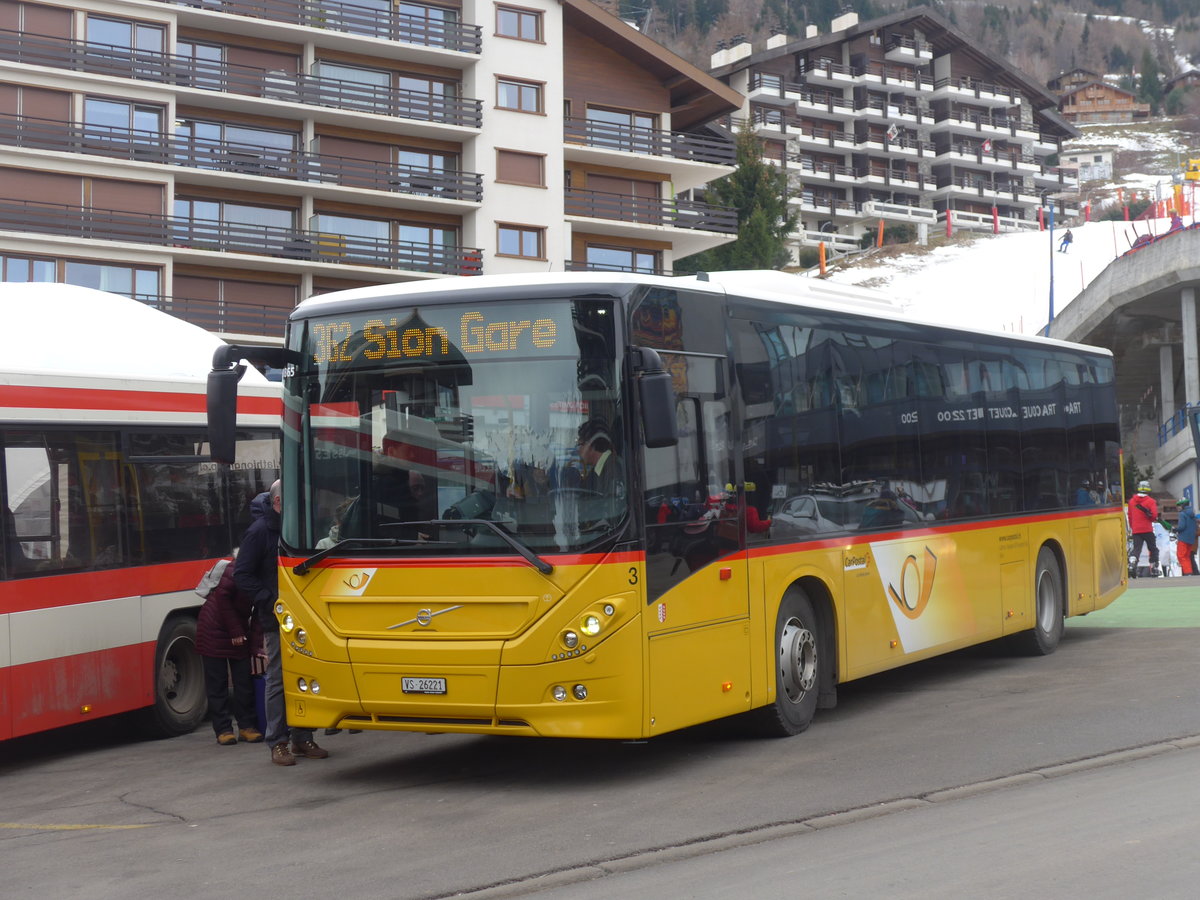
x=613, y=505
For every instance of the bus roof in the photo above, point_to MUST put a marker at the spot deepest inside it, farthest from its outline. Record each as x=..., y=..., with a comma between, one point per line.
x=63, y=329
x=763, y=284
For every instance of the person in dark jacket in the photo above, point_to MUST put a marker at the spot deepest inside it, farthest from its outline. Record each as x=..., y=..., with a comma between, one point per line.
x=225, y=640
x=256, y=573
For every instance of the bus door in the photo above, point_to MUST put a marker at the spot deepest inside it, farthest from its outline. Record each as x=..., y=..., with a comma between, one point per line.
x=697, y=603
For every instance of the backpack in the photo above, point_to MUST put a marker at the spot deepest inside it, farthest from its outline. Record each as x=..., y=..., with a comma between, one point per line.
x=212, y=577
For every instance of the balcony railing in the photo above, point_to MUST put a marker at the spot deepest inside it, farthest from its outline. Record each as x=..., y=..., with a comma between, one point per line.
x=185, y=71
x=199, y=234
x=677, y=145
x=242, y=159
x=647, y=211
x=220, y=315
x=331, y=15
x=582, y=265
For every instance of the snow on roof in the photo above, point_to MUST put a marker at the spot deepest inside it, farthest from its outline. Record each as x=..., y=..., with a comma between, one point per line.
x=65, y=329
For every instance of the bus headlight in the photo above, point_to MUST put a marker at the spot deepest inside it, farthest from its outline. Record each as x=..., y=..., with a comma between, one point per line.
x=301, y=636
x=570, y=640
x=315, y=686
x=279, y=608
x=302, y=685
x=579, y=692
x=559, y=692
x=590, y=625
x=288, y=623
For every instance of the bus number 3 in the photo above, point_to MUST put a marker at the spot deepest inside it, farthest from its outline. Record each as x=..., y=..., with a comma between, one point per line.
x=633, y=575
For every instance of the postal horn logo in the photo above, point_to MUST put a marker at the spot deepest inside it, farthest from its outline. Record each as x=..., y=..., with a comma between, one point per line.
x=920, y=583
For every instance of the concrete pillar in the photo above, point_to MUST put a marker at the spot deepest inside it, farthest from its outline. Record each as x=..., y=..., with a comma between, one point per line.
x=1191, y=359
x=1166, y=382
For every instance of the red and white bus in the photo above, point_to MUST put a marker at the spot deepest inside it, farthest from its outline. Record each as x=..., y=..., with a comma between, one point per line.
x=111, y=508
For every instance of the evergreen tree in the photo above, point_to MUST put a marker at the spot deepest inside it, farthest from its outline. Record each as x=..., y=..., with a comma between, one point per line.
x=1150, y=83
x=758, y=191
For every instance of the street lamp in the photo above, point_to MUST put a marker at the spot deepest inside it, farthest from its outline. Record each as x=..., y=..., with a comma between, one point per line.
x=1048, y=201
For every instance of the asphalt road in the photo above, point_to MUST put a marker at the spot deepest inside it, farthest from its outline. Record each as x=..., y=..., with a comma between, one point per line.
x=90, y=812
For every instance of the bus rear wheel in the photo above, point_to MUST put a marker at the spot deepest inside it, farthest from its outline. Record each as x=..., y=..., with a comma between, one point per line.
x=180, y=698
x=1048, y=621
x=799, y=669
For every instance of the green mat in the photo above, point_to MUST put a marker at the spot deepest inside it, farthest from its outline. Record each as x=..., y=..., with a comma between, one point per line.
x=1156, y=606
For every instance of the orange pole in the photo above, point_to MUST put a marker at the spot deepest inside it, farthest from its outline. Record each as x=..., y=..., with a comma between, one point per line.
x=821, y=256
x=879, y=237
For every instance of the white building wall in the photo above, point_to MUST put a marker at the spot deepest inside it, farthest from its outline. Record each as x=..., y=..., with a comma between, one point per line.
x=524, y=132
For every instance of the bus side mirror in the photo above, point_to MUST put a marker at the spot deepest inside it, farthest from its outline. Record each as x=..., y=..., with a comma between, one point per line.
x=657, y=395
x=222, y=413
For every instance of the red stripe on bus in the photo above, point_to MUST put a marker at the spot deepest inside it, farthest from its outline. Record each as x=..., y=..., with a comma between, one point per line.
x=29, y=397
x=52, y=591
x=78, y=688
x=458, y=562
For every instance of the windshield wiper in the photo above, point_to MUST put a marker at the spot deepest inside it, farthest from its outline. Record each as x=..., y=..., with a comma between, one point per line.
x=303, y=566
x=532, y=558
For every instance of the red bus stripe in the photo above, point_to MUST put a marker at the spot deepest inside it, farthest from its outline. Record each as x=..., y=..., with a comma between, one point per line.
x=29, y=397
x=50, y=591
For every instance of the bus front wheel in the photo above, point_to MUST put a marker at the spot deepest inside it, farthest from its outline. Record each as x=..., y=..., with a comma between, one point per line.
x=180, y=699
x=799, y=668
x=1048, y=622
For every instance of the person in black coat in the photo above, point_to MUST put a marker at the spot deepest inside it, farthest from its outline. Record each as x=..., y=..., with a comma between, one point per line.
x=257, y=575
x=226, y=640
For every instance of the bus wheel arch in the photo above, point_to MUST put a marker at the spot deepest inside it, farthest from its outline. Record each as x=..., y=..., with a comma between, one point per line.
x=1049, y=605
x=802, y=652
x=180, y=698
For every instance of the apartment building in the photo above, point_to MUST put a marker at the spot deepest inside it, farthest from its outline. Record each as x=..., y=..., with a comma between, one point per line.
x=223, y=159
x=899, y=119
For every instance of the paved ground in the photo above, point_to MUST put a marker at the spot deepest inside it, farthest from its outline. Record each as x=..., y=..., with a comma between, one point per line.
x=1149, y=603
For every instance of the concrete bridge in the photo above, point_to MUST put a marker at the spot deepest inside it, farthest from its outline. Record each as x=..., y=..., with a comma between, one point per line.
x=1143, y=308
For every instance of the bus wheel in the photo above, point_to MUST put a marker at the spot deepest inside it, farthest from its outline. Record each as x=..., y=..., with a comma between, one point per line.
x=180, y=699
x=799, y=663
x=1048, y=624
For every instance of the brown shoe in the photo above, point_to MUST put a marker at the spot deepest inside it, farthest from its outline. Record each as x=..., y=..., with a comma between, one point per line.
x=226, y=739
x=281, y=755
x=251, y=735
x=309, y=750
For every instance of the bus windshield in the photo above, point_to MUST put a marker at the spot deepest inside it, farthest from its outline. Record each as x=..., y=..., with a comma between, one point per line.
x=418, y=423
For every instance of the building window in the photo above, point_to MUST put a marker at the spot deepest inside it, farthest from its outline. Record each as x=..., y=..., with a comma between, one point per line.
x=513, y=167
x=522, y=96
x=118, y=116
x=521, y=240
x=522, y=24
x=125, y=35
x=623, y=259
x=138, y=282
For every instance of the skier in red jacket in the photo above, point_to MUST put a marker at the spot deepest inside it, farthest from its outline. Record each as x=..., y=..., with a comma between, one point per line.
x=1143, y=513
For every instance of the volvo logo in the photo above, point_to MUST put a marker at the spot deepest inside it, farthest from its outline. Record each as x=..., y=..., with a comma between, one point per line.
x=424, y=617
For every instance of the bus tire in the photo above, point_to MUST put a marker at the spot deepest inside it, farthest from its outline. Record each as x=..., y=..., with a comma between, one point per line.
x=180, y=698
x=1048, y=621
x=800, y=663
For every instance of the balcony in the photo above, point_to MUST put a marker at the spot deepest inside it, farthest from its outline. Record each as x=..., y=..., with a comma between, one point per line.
x=582, y=265
x=825, y=103
x=836, y=208
x=811, y=170
x=330, y=15
x=806, y=135
x=826, y=71
x=973, y=90
x=222, y=317
x=230, y=237
x=644, y=211
x=900, y=48
x=902, y=145
x=895, y=78
x=237, y=159
x=876, y=109
x=881, y=176
x=987, y=189
x=275, y=85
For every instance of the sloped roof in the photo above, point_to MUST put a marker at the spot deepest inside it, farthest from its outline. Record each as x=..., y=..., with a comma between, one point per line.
x=696, y=96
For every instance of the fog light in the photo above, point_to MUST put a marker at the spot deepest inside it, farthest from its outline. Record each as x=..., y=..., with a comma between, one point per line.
x=570, y=640
x=579, y=692
x=288, y=623
x=302, y=685
x=301, y=636
x=590, y=626
x=559, y=692
x=315, y=686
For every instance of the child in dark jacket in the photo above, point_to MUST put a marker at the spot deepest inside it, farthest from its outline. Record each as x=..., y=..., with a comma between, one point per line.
x=226, y=639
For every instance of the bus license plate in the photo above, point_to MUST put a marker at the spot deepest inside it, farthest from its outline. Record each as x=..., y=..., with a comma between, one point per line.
x=423, y=685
